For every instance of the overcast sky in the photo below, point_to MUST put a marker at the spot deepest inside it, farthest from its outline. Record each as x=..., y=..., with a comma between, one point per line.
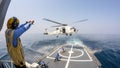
x=103, y=15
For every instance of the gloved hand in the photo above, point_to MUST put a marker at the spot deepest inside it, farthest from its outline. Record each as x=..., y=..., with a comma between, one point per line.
x=30, y=21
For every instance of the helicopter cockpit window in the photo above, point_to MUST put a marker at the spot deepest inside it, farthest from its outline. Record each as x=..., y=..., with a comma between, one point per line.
x=57, y=28
x=63, y=30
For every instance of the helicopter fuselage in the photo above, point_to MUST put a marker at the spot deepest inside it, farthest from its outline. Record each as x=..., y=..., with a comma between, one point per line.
x=62, y=30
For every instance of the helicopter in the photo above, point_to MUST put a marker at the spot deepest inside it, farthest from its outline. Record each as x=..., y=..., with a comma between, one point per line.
x=62, y=29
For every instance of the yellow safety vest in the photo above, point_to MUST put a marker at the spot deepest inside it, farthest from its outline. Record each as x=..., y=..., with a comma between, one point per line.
x=16, y=53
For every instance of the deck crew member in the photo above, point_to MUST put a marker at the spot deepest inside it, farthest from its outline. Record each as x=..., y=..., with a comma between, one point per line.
x=43, y=64
x=63, y=50
x=13, y=42
x=57, y=57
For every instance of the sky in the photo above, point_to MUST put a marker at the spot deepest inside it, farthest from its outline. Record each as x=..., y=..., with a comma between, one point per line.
x=103, y=15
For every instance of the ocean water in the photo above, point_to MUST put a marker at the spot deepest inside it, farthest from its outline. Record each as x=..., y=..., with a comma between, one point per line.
x=106, y=47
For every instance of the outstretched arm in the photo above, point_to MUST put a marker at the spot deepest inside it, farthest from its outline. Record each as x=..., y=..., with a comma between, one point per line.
x=19, y=31
x=22, y=25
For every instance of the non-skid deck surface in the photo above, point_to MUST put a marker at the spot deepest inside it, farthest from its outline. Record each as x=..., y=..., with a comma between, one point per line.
x=75, y=56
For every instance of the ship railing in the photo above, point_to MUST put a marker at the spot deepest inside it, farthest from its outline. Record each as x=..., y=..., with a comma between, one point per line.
x=6, y=64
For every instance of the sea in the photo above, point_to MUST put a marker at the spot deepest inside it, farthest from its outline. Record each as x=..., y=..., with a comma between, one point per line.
x=106, y=47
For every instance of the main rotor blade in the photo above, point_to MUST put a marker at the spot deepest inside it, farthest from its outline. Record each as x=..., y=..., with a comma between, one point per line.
x=52, y=21
x=81, y=21
x=57, y=26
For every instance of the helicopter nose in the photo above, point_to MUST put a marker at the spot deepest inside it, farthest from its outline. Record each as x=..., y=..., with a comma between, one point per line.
x=74, y=30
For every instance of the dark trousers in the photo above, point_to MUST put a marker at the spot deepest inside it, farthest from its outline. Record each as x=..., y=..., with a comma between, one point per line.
x=20, y=67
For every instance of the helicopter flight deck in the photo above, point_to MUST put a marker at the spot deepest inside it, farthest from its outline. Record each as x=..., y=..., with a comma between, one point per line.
x=75, y=56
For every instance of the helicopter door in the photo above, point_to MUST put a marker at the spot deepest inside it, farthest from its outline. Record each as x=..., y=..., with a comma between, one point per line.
x=63, y=30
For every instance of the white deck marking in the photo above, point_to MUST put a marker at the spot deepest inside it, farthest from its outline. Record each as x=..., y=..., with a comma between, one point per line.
x=54, y=51
x=82, y=53
x=88, y=55
x=71, y=60
x=70, y=53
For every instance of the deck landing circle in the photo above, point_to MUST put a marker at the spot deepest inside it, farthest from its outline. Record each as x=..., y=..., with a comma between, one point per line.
x=76, y=53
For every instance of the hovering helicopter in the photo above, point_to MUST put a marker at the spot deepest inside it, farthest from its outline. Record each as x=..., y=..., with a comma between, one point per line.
x=62, y=29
